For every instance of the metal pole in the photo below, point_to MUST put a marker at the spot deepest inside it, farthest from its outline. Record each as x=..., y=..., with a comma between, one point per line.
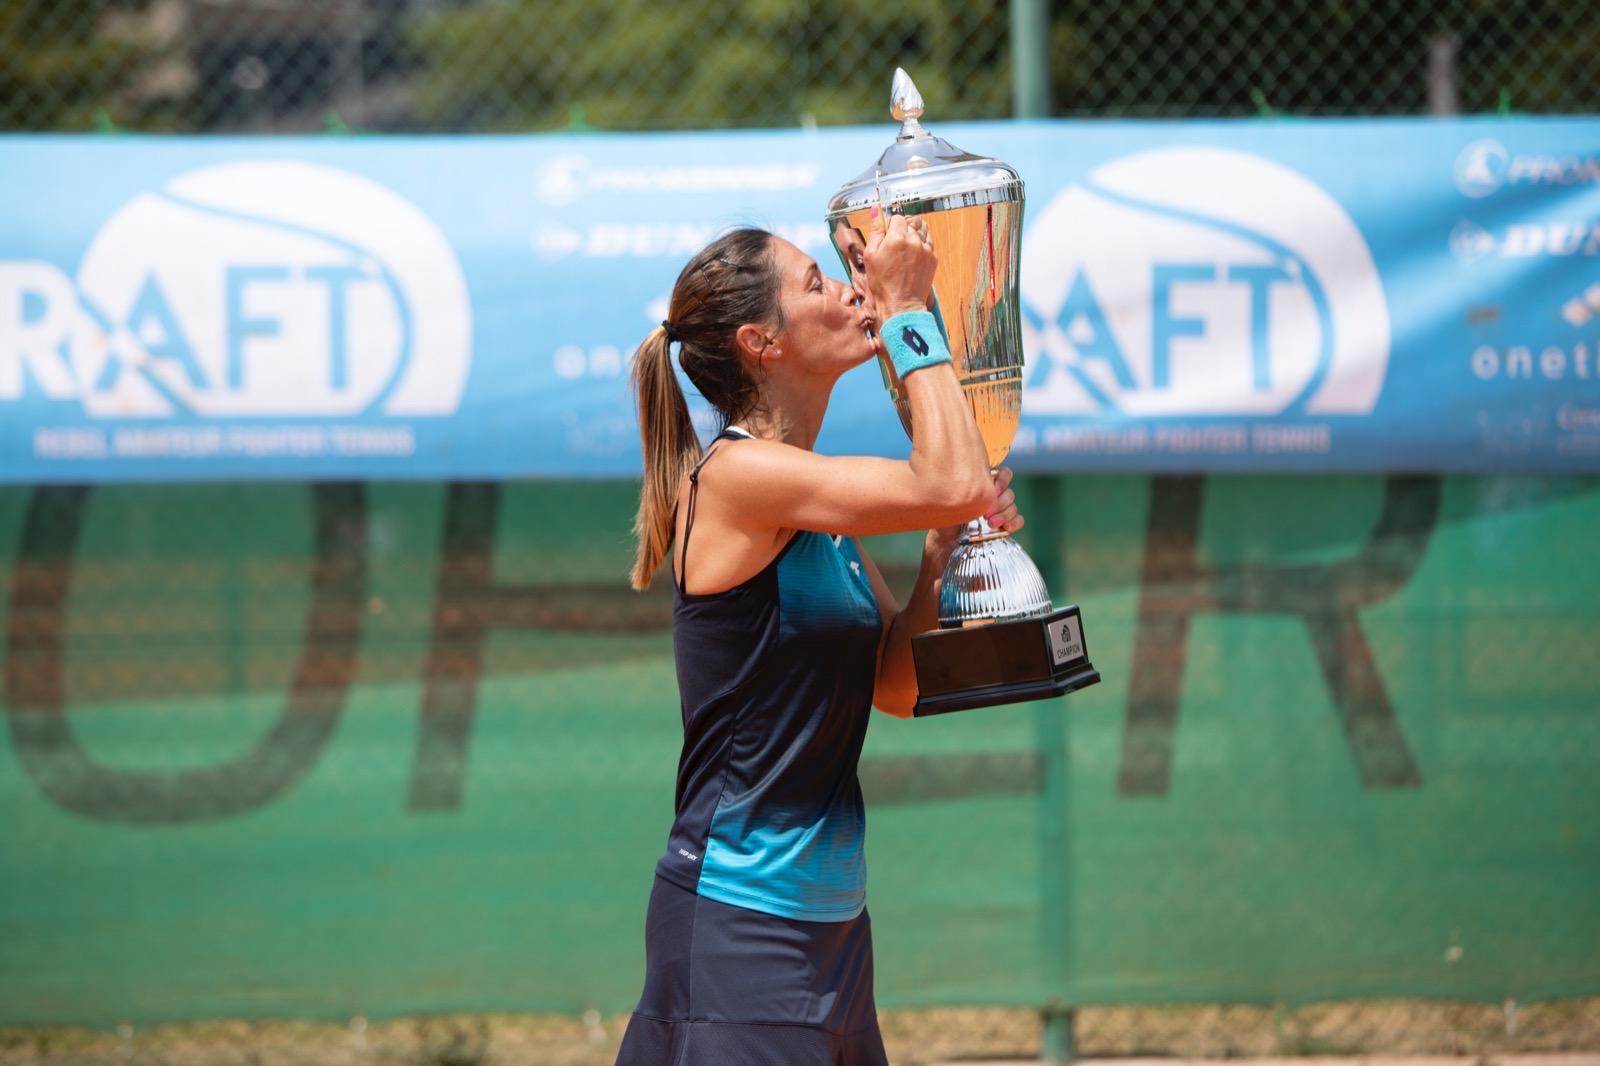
x=348, y=88
x=1442, y=96
x=1030, y=97
x=1057, y=1046
x=1051, y=742
x=1030, y=58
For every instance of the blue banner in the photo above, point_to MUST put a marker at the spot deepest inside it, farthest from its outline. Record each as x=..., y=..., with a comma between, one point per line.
x=1273, y=296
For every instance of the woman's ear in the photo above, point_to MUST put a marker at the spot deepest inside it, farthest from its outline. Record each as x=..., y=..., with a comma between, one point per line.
x=753, y=342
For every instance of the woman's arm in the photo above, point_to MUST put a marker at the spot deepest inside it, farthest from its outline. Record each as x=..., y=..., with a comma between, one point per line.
x=945, y=481
x=895, y=689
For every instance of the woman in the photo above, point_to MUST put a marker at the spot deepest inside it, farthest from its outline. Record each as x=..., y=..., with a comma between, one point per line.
x=758, y=944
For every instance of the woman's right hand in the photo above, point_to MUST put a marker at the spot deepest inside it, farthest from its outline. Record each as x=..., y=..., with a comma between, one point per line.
x=900, y=265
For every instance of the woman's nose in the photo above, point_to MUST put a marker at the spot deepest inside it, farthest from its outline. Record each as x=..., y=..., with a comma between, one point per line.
x=858, y=290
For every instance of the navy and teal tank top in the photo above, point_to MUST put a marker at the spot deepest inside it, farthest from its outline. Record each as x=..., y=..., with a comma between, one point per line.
x=775, y=677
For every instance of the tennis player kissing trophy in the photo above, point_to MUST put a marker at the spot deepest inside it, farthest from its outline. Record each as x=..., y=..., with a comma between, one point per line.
x=1000, y=639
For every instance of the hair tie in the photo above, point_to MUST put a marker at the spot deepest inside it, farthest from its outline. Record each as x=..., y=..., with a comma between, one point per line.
x=672, y=334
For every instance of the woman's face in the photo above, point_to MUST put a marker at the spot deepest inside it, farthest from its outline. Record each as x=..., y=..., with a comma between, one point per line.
x=852, y=248
x=824, y=320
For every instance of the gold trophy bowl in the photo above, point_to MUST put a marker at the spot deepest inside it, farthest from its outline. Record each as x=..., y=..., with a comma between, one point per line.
x=1000, y=639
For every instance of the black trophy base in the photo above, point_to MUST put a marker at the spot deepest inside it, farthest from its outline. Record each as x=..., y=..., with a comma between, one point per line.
x=1002, y=662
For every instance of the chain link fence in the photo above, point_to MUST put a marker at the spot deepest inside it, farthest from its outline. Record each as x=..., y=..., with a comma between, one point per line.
x=466, y=66
x=434, y=680
x=298, y=66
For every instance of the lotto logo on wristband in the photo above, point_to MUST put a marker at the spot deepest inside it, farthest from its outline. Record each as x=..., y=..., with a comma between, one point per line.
x=908, y=347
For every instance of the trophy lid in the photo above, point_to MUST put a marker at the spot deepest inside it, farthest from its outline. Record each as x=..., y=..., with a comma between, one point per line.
x=920, y=167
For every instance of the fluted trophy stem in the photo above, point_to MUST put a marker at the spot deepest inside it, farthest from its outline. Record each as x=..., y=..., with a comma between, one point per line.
x=979, y=530
x=989, y=578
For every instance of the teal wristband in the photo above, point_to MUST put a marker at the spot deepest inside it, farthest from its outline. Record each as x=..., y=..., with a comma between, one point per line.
x=913, y=340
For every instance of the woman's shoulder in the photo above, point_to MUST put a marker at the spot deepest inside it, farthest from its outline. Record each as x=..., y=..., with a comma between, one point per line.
x=753, y=461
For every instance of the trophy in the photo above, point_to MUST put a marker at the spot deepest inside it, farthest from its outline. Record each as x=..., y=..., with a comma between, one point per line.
x=1000, y=639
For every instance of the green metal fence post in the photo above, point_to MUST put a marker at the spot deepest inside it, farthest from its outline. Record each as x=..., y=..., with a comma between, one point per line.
x=1050, y=737
x=1030, y=91
x=1030, y=58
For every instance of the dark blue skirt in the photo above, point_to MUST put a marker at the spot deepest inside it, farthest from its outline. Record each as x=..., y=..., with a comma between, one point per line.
x=726, y=985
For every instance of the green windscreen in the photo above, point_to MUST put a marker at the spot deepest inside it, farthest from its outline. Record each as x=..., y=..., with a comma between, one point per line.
x=325, y=750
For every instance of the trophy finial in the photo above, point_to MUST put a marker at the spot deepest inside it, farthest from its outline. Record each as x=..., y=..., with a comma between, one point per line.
x=905, y=103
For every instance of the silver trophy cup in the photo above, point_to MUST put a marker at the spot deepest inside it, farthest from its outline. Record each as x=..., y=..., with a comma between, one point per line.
x=1000, y=640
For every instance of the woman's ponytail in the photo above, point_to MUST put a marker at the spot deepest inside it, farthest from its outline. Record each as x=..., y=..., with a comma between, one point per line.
x=671, y=450
x=731, y=281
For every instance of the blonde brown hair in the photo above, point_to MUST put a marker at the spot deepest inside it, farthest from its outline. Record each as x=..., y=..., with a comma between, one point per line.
x=731, y=282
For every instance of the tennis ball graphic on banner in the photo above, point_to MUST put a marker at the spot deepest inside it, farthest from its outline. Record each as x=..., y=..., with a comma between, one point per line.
x=271, y=288
x=1200, y=281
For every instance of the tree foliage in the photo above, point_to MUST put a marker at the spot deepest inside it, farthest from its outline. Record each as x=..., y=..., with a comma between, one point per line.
x=641, y=64
x=504, y=65
x=58, y=70
x=1328, y=57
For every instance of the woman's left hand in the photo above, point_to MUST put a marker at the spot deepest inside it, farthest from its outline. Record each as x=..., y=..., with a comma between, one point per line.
x=1002, y=516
